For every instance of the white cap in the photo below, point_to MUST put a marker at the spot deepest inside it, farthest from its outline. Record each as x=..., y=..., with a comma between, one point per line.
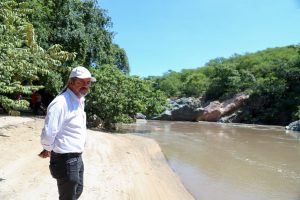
x=81, y=72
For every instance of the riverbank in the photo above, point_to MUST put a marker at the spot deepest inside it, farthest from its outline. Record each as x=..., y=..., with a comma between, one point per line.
x=117, y=166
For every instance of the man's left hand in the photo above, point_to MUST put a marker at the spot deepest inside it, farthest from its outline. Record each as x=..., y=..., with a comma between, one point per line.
x=45, y=154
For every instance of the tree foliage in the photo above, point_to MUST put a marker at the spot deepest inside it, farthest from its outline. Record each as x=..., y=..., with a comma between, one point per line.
x=195, y=84
x=22, y=60
x=171, y=84
x=79, y=26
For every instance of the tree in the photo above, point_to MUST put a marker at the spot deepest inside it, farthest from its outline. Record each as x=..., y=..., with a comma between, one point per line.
x=225, y=82
x=195, y=84
x=120, y=59
x=79, y=26
x=22, y=60
x=171, y=84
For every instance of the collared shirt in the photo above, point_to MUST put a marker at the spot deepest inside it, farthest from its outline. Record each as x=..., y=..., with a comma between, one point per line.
x=65, y=124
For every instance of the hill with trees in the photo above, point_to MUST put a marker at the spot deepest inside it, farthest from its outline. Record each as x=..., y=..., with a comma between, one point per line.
x=271, y=77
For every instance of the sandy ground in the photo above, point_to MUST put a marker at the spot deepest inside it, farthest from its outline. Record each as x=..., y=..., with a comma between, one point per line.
x=117, y=166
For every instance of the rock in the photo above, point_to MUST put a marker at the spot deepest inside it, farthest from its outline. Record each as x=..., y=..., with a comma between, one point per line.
x=233, y=104
x=294, y=126
x=140, y=116
x=186, y=109
x=166, y=115
x=186, y=113
x=94, y=121
x=233, y=118
x=215, y=110
x=191, y=109
x=183, y=109
x=212, y=112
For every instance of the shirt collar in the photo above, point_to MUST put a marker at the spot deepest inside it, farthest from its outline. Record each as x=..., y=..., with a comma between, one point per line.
x=74, y=97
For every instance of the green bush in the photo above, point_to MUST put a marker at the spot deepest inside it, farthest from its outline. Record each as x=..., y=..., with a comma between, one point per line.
x=117, y=97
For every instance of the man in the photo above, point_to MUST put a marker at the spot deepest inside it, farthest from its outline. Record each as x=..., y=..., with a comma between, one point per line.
x=64, y=132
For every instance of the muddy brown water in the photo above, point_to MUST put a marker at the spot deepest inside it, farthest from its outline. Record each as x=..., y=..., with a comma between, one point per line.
x=229, y=161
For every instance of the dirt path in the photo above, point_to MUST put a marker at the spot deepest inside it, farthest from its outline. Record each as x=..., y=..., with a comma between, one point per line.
x=116, y=166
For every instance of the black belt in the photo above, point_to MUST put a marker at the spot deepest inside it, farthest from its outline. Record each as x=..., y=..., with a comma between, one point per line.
x=65, y=154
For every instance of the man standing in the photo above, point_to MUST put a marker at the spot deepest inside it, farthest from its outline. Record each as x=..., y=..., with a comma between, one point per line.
x=64, y=132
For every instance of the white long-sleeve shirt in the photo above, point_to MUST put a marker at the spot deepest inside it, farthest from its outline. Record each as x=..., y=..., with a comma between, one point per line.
x=65, y=124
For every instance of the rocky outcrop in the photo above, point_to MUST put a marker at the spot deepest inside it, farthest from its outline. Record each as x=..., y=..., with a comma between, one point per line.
x=193, y=109
x=183, y=109
x=215, y=110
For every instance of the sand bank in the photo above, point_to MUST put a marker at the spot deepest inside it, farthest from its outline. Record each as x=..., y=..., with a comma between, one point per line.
x=117, y=166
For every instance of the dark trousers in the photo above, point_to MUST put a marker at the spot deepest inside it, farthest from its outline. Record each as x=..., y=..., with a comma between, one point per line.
x=67, y=169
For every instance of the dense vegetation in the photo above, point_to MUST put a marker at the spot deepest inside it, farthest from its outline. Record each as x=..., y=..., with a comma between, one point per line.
x=23, y=61
x=40, y=41
x=271, y=77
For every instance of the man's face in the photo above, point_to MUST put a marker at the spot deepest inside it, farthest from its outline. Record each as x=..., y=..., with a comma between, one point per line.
x=80, y=86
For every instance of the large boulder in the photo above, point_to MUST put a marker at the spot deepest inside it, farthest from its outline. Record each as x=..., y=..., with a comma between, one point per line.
x=215, y=110
x=294, y=126
x=186, y=109
x=212, y=112
x=166, y=115
x=231, y=105
x=186, y=113
x=183, y=109
x=140, y=116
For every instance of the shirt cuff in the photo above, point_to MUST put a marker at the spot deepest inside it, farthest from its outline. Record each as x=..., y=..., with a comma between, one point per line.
x=48, y=147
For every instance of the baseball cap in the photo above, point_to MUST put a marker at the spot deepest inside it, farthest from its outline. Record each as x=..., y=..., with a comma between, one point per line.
x=81, y=72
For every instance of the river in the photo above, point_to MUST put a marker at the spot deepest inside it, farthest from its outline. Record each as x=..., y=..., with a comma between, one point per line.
x=229, y=161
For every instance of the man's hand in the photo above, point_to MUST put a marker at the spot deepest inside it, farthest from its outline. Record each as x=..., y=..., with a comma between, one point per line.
x=45, y=154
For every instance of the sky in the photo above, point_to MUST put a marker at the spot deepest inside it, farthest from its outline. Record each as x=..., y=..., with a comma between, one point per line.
x=162, y=35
